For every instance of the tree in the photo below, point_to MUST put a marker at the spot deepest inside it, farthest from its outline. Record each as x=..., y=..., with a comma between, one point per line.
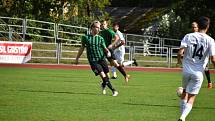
x=191, y=10
x=52, y=10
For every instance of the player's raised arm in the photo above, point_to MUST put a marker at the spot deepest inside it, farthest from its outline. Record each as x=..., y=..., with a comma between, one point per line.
x=80, y=52
x=107, y=52
x=183, y=46
x=115, y=40
x=179, y=56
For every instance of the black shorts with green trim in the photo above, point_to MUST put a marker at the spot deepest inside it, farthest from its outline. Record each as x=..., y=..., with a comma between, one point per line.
x=99, y=66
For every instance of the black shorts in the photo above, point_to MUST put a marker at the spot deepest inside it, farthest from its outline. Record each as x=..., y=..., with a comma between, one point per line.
x=100, y=66
x=112, y=55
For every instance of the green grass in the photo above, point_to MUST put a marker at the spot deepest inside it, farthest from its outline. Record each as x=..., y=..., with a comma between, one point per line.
x=74, y=95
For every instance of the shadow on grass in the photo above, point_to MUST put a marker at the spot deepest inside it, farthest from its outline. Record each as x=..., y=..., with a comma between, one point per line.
x=160, y=105
x=59, y=92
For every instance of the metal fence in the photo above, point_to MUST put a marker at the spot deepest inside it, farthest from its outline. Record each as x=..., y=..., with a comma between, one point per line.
x=146, y=49
x=150, y=41
x=42, y=31
x=62, y=53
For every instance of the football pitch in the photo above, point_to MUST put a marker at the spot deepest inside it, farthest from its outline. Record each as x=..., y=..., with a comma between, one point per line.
x=39, y=94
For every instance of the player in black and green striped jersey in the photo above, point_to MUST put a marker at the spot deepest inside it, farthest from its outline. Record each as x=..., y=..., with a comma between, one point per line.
x=96, y=50
x=111, y=40
x=95, y=47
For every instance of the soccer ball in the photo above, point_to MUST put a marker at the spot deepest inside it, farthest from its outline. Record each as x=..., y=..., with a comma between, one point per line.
x=179, y=91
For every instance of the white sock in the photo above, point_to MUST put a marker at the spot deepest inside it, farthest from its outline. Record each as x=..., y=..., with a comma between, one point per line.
x=113, y=70
x=182, y=105
x=186, y=111
x=127, y=63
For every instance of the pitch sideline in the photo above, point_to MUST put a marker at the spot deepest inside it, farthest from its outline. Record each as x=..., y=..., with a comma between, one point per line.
x=86, y=67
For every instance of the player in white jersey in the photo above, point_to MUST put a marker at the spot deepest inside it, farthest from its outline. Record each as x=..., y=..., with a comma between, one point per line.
x=207, y=72
x=119, y=51
x=197, y=48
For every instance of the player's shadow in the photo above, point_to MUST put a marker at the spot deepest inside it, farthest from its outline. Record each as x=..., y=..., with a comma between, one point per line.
x=160, y=105
x=151, y=105
x=60, y=92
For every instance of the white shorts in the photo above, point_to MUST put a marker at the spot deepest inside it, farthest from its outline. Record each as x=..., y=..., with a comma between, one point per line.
x=192, y=82
x=119, y=55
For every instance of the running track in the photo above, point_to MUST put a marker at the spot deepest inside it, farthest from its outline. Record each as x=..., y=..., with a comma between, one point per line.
x=86, y=67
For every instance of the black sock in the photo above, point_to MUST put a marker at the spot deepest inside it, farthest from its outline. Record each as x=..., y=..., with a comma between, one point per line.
x=107, y=82
x=207, y=73
x=122, y=71
x=103, y=84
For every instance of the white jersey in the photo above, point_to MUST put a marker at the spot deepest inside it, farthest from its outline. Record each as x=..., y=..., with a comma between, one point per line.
x=121, y=37
x=198, y=48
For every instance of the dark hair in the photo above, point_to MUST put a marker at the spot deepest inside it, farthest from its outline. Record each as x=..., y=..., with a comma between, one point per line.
x=115, y=24
x=203, y=22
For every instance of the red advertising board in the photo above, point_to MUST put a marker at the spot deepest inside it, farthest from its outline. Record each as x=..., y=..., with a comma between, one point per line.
x=15, y=52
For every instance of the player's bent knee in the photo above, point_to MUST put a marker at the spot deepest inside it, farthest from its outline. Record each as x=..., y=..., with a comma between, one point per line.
x=103, y=75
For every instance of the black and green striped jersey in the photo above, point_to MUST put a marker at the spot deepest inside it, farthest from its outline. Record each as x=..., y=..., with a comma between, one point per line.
x=95, y=47
x=108, y=35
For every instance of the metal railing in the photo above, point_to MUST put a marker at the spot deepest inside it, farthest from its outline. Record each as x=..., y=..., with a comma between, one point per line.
x=41, y=30
x=150, y=41
x=49, y=34
x=69, y=30
x=67, y=52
